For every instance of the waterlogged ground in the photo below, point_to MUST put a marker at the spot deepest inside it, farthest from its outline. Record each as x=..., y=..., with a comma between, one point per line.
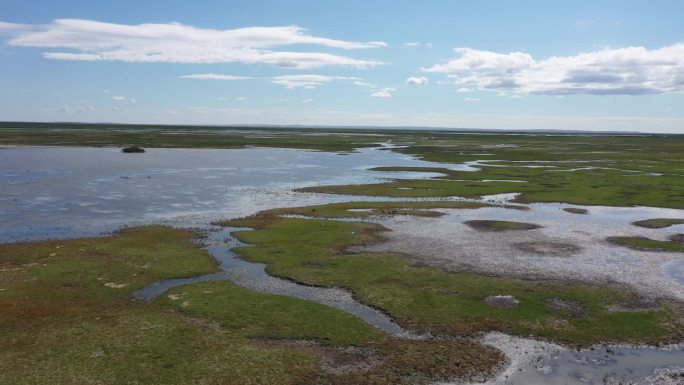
x=566, y=246
x=67, y=192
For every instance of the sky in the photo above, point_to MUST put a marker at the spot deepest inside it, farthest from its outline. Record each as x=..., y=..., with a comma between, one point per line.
x=573, y=65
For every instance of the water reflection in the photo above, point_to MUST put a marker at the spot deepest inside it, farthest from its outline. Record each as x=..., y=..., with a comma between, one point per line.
x=61, y=192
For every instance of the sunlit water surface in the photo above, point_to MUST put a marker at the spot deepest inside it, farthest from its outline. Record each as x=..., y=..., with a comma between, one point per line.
x=63, y=192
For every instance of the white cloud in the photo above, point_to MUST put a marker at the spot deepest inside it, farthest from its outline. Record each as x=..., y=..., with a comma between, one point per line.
x=66, y=109
x=309, y=100
x=13, y=27
x=307, y=81
x=417, y=81
x=240, y=99
x=89, y=40
x=364, y=84
x=416, y=44
x=620, y=71
x=86, y=108
x=471, y=99
x=213, y=77
x=384, y=93
x=123, y=99
x=464, y=90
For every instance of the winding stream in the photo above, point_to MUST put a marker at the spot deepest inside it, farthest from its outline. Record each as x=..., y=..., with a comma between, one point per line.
x=253, y=276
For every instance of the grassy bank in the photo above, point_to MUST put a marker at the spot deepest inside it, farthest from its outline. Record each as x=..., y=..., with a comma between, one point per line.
x=67, y=316
x=659, y=223
x=426, y=299
x=98, y=135
x=647, y=244
x=366, y=209
x=579, y=186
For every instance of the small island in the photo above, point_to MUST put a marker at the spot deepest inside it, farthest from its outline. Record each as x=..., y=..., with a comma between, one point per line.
x=132, y=149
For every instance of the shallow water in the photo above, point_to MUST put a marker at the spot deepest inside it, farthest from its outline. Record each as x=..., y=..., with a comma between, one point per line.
x=65, y=192
x=675, y=270
x=576, y=244
x=253, y=276
x=535, y=362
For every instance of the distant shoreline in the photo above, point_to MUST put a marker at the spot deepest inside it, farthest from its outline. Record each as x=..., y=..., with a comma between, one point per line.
x=330, y=128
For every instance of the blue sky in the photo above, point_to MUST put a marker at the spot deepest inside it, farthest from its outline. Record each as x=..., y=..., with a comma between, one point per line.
x=589, y=65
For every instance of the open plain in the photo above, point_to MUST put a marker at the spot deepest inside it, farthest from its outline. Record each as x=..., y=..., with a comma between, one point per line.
x=339, y=257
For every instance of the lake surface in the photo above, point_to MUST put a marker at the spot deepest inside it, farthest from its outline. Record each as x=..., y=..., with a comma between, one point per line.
x=64, y=192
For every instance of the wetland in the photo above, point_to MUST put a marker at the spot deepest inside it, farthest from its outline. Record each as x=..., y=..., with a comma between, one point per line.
x=265, y=256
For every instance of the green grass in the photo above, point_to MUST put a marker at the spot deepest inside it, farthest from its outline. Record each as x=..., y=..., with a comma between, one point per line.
x=274, y=318
x=658, y=223
x=647, y=244
x=62, y=324
x=366, y=209
x=259, y=315
x=624, y=170
x=426, y=299
x=68, y=134
x=585, y=187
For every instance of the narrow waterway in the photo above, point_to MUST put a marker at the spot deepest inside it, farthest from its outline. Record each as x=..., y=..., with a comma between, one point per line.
x=253, y=276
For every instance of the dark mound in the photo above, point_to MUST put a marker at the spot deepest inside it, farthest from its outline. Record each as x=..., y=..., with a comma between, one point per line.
x=575, y=210
x=658, y=223
x=132, y=150
x=549, y=248
x=483, y=225
x=572, y=307
x=679, y=238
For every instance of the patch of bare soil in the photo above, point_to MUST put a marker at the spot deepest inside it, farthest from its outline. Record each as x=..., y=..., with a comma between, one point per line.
x=572, y=307
x=679, y=238
x=336, y=360
x=638, y=303
x=502, y=301
x=549, y=248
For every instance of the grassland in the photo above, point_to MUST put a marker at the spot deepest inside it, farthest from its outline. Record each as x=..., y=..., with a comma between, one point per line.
x=366, y=209
x=67, y=317
x=595, y=170
x=102, y=135
x=647, y=244
x=426, y=299
x=659, y=223
x=583, y=187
